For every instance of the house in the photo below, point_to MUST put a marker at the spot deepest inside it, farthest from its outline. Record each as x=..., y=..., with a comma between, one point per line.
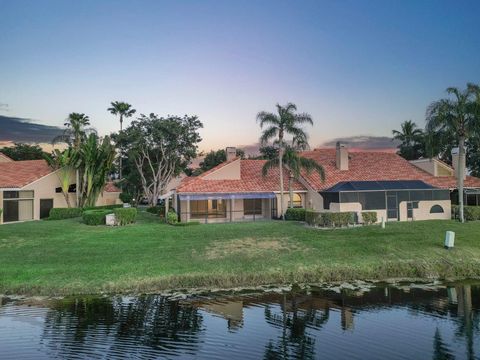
x=355, y=181
x=30, y=188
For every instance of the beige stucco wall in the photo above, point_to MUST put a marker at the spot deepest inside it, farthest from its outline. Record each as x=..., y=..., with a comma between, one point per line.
x=423, y=210
x=44, y=188
x=422, y=213
x=228, y=172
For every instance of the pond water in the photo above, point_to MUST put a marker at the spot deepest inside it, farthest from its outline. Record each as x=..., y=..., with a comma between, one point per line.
x=406, y=321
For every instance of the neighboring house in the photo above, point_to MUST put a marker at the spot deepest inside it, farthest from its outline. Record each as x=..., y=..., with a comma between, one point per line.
x=4, y=158
x=30, y=188
x=357, y=181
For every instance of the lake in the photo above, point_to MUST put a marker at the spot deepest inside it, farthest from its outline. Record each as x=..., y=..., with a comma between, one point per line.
x=351, y=321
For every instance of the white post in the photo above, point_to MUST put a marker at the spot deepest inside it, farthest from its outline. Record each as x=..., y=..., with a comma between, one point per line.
x=187, y=215
x=383, y=222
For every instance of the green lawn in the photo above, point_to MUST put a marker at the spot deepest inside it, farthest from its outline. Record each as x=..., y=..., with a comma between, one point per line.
x=67, y=257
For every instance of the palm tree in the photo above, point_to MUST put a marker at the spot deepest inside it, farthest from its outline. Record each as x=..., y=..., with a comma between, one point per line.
x=125, y=110
x=457, y=117
x=411, y=140
x=295, y=164
x=284, y=122
x=65, y=163
x=76, y=130
x=97, y=157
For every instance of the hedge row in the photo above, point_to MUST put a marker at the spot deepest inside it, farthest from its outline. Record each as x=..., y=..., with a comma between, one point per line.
x=470, y=213
x=124, y=216
x=68, y=213
x=329, y=219
x=297, y=214
x=369, y=217
x=95, y=217
x=64, y=213
x=104, y=207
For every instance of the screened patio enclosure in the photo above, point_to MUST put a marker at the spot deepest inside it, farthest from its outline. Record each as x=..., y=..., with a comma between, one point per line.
x=396, y=199
x=224, y=207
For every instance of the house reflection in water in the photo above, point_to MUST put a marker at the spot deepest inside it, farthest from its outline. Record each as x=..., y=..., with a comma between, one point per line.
x=232, y=311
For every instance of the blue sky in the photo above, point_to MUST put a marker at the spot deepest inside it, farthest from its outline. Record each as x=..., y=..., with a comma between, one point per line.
x=358, y=67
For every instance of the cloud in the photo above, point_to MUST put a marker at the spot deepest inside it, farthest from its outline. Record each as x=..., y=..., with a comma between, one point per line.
x=24, y=130
x=365, y=142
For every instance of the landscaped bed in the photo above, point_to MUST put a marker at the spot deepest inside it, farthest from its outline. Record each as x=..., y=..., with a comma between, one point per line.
x=67, y=257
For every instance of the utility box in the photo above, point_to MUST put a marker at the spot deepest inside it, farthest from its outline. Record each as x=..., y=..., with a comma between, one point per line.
x=110, y=220
x=449, y=239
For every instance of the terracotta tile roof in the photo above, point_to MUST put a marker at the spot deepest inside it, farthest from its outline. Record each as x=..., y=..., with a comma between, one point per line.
x=17, y=174
x=363, y=166
x=374, y=166
x=251, y=180
x=111, y=187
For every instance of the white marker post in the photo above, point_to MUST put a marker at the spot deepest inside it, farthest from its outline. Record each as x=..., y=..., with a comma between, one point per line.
x=449, y=240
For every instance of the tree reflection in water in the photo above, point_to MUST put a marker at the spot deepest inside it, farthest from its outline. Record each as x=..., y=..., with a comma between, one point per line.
x=291, y=323
x=121, y=325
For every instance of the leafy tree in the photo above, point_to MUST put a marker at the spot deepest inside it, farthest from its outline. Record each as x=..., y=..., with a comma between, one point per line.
x=268, y=152
x=214, y=158
x=124, y=110
x=24, y=152
x=456, y=117
x=65, y=162
x=412, y=143
x=161, y=148
x=277, y=126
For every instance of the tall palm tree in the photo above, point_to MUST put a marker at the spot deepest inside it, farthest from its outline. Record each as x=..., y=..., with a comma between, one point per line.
x=124, y=110
x=411, y=138
x=77, y=124
x=456, y=116
x=295, y=164
x=277, y=126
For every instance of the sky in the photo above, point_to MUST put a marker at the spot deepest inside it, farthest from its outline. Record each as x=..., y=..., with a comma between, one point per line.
x=358, y=67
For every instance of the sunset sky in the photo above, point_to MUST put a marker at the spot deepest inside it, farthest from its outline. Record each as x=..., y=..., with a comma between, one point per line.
x=358, y=67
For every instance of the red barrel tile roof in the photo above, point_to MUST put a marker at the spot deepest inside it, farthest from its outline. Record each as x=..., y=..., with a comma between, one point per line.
x=363, y=166
x=251, y=180
x=17, y=174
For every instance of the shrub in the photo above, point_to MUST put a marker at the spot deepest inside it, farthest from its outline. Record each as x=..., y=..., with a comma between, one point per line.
x=297, y=214
x=64, y=213
x=329, y=219
x=104, y=207
x=124, y=216
x=471, y=213
x=126, y=197
x=172, y=217
x=95, y=217
x=157, y=210
x=369, y=217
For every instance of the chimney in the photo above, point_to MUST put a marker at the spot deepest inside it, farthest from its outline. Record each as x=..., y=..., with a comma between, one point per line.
x=231, y=153
x=455, y=162
x=342, y=157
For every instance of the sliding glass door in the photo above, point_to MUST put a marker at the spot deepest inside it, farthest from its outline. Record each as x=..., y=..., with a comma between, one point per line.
x=17, y=206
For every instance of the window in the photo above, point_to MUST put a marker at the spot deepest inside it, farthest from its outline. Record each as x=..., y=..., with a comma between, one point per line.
x=200, y=209
x=17, y=205
x=436, y=209
x=252, y=206
x=297, y=200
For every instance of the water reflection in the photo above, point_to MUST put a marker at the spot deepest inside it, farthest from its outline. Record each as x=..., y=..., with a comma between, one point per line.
x=403, y=322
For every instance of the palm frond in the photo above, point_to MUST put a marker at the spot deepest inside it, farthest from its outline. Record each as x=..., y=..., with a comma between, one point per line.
x=268, y=134
x=267, y=118
x=270, y=164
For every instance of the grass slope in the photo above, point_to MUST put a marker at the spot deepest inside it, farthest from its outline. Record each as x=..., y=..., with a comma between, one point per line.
x=68, y=257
